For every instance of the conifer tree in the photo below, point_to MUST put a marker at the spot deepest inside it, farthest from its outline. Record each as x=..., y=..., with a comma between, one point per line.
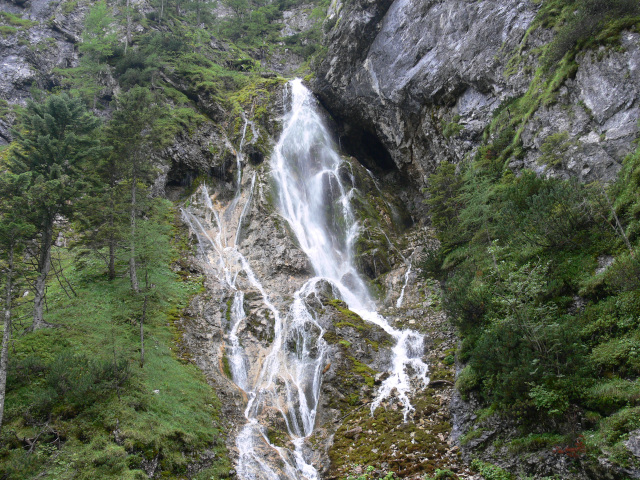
x=132, y=136
x=15, y=231
x=54, y=141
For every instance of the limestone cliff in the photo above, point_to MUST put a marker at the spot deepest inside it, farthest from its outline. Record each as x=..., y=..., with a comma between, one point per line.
x=427, y=79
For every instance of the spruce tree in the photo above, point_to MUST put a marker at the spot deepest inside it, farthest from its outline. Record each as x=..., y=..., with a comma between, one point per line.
x=131, y=135
x=55, y=140
x=15, y=231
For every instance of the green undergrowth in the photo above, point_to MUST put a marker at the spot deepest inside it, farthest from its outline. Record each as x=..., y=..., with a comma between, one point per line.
x=196, y=76
x=79, y=405
x=540, y=275
x=490, y=472
x=547, y=333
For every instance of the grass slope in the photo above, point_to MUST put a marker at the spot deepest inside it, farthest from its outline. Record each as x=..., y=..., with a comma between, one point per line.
x=80, y=406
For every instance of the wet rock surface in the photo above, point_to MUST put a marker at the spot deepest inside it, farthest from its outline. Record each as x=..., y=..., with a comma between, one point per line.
x=358, y=353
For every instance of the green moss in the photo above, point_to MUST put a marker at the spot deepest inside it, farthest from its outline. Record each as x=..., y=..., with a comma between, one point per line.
x=386, y=428
x=13, y=20
x=364, y=371
x=226, y=368
x=347, y=318
x=277, y=437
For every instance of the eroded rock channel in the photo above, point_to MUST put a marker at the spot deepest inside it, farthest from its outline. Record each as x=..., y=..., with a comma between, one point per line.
x=312, y=324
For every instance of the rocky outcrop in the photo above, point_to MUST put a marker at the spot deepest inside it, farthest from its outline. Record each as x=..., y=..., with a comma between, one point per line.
x=427, y=79
x=41, y=38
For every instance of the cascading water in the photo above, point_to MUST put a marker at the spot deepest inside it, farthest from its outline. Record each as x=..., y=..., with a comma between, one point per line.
x=316, y=203
x=314, y=192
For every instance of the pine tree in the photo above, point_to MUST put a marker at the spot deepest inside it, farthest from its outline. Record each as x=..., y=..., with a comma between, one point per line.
x=101, y=213
x=15, y=231
x=54, y=141
x=132, y=136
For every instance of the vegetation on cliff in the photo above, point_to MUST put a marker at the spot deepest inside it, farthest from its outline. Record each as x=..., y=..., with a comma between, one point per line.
x=540, y=273
x=95, y=386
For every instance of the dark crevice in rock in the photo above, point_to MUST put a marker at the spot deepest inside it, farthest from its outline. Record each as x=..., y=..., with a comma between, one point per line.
x=255, y=156
x=362, y=143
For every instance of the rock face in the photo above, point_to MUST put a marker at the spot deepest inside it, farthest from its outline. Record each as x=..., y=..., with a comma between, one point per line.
x=43, y=41
x=404, y=72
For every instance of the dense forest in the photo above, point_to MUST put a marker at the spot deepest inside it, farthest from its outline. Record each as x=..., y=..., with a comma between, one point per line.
x=536, y=269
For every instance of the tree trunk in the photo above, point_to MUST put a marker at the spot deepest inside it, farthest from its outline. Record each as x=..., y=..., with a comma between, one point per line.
x=128, y=34
x=112, y=241
x=142, y=319
x=132, y=245
x=6, y=336
x=112, y=258
x=44, y=266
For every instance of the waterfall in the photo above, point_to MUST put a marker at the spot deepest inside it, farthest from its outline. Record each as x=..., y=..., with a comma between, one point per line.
x=306, y=167
x=406, y=281
x=314, y=188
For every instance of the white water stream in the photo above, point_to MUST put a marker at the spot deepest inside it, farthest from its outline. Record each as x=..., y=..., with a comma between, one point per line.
x=315, y=201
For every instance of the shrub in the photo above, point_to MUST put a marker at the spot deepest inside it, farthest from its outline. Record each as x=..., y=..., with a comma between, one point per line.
x=74, y=382
x=585, y=19
x=467, y=381
x=619, y=354
x=489, y=471
x=554, y=149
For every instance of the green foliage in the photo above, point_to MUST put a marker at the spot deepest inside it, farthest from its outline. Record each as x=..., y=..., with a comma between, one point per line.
x=554, y=149
x=440, y=474
x=370, y=473
x=611, y=395
x=582, y=22
x=73, y=382
x=99, y=37
x=452, y=128
x=80, y=389
x=489, y=471
x=444, y=200
x=256, y=23
x=627, y=203
x=550, y=401
x=536, y=442
x=467, y=380
x=6, y=30
x=54, y=140
x=518, y=251
x=10, y=19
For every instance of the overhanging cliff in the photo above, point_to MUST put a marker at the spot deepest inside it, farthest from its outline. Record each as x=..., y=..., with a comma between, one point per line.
x=429, y=80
